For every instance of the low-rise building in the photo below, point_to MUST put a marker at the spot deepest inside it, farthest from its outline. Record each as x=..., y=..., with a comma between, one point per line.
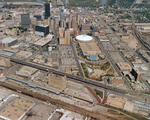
x=43, y=41
x=117, y=81
x=7, y=42
x=26, y=71
x=89, y=48
x=23, y=54
x=124, y=66
x=4, y=62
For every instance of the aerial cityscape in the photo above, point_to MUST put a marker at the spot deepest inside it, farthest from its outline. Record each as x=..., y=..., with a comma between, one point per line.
x=74, y=59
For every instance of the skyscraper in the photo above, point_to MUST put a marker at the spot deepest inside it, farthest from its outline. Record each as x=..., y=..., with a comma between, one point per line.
x=47, y=10
x=25, y=20
x=62, y=16
x=67, y=37
x=38, y=17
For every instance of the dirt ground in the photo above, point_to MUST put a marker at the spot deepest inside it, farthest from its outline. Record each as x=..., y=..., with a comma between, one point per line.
x=131, y=43
x=117, y=115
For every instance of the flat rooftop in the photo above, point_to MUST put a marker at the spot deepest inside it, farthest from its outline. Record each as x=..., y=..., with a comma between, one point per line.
x=42, y=25
x=89, y=47
x=40, y=111
x=16, y=109
x=23, y=53
x=43, y=41
x=27, y=70
x=8, y=40
x=124, y=66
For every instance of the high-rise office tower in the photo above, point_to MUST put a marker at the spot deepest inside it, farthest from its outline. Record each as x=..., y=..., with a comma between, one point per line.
x=62, y=16
x=69, y=24
x=137, y=74
x=51, y=24
x=67, y=37
x=61, y=32
x=38, y=17
x=63, y=24
x=47, y=10
x=78, y=19
x=25, y=20
x=42, y=30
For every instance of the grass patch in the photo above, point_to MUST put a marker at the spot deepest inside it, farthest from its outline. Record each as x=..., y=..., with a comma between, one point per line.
x=84, y=3
x=148, y=93
x=99, y=93
x=105, y=66
x=112, y=111
x=128, y=118
x=85, y=70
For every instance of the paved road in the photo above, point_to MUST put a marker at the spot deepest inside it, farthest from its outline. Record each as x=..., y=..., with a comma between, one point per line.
x=144, y=44
x=76, y=58
x=90, y=83
x=76, y=78
x=112, y=62
x=108, y=56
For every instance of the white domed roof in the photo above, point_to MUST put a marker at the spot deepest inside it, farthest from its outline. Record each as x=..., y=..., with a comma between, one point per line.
x=84, y=38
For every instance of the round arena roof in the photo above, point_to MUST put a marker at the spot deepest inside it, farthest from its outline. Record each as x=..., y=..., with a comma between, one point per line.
x=84, y=38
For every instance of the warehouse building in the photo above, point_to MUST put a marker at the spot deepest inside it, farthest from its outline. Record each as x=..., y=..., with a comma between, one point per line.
x=7, y=42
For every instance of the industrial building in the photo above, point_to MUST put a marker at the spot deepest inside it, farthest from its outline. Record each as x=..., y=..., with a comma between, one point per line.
x=25, y=20
x=42, y=30
x=47, y=10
